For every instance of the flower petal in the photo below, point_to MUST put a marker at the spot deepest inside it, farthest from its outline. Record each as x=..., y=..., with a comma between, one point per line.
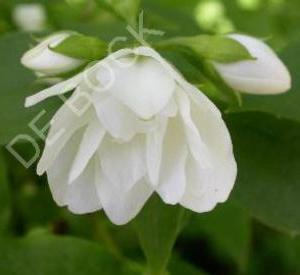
x=154, y=144
x=205, y=188
x=91, y=141
x=144, y=86
x=119, y=205
x=73, y=82
x=197, y=147
x=123, y=163
x=170, y=110
x=58, y=89
x=45, y=61
x=118, y=119
x=63, y=125
x=208, y=186
x=172, y=171
x=170, y=69
x=80, y=197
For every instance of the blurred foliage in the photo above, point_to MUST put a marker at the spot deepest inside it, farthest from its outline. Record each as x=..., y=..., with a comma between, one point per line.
x=255, y=233
x=158, y=227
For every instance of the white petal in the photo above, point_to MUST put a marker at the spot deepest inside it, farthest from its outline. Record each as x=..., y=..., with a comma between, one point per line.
x=119, y=205
x=197, y=147
x=91, y=141
x=154, y=144
x=170, y=110
x=172, y=172
x=265, y=75
x=118, y=119
x=145, y=86
x=63, y=125
x=207, y=187
x=45, y=61
x=123, y=163
x=80, y=197
x=198, y=196
x=170, y=69
x=73, y=82
x=58, y=89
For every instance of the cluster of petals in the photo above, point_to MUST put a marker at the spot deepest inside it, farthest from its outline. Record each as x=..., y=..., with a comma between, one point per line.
x=134, y=126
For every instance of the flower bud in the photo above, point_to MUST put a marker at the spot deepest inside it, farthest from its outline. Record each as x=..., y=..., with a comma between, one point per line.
x=30, y=17
x=46, y=62
x=264, y=75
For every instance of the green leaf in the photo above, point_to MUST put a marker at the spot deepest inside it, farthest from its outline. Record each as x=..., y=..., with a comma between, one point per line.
x=267, y=150
x=82, y=47
x=178, y=266
x=126, y=9
x=50, y=255
x=273, y=247
x=215, y=48
x=5, y=210
x=16, y=84
x=228, y=229
x=158, y=226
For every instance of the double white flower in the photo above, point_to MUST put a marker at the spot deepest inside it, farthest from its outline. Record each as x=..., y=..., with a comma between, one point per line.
x=146, y=130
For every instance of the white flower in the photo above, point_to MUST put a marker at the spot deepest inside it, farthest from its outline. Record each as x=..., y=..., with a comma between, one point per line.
x=265, y=75
x=44, y=61
x=146, y=130
x=30, y=17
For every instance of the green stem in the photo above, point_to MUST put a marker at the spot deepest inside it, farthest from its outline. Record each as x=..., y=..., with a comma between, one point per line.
x=105, y=237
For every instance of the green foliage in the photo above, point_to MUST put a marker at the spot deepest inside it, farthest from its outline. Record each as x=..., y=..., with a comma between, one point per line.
x=5, y=204
x=82, y=47
x=178, y=267
x=273, y=247
x=268, y=155
x=126, y=9
x=229, y=230
x=215, y=48
x=16, y=84
x=158, y=226
x=48, y=255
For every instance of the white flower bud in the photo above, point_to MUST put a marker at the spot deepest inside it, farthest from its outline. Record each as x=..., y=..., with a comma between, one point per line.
x=265, y=75
x=145, y=130
x=46, y=62
x=30, y=17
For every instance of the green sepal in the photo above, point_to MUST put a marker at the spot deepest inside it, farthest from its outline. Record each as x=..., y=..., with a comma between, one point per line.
x=82, y=47
x=211, y=47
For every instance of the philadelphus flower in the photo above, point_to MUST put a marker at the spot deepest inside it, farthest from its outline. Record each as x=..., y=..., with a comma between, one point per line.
x=145, y=130
x=30, y=17
x=46, y=62
x=265, y=75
